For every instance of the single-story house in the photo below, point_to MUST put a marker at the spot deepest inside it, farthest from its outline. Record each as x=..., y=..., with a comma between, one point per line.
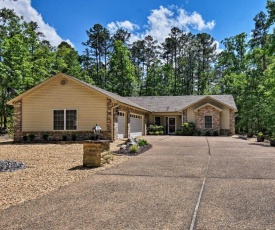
x=63, y=105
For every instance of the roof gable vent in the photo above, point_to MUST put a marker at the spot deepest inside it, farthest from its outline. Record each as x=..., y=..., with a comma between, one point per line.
x=63, y=82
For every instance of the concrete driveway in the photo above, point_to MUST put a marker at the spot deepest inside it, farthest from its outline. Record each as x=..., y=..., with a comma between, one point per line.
x=181, y=183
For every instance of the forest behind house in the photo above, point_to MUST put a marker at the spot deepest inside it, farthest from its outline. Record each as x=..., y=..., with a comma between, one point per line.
x=184, y=64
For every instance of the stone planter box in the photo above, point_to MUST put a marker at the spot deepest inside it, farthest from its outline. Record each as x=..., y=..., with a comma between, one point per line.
x=260, y=138
x=92, y=151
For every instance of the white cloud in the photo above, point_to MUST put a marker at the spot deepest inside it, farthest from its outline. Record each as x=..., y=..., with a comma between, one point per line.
x=163, y=19
x=24, y=8
x=129, y=26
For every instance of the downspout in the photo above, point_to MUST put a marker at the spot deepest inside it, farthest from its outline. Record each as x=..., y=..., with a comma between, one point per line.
x=112, y=121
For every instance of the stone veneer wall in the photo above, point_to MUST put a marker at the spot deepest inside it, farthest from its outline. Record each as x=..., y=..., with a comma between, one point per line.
x=17, y=119
x=184, y=114
x=110, y=113
x=208, y=111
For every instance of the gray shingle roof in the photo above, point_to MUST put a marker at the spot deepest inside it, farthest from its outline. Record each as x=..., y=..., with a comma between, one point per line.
x=164, y=103
x=148, y=103
x=176, y=103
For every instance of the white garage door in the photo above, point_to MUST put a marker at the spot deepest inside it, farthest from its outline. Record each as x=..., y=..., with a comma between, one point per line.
x=135, y=125
x=121, y=125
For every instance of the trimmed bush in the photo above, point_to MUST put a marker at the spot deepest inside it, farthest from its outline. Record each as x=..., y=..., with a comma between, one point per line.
x=31, y=137
x=64, y=137
x=178, y=132
x=155, y=130
x=207, y=133
x=45, y=136
x=73, y=137
x=216, y=133
x=25, y=138
x=188, y=129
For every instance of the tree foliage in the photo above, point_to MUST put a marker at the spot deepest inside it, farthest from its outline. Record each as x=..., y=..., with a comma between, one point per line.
x=184, y=64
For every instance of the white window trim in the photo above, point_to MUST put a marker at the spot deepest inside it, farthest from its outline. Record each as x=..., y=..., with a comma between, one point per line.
x=65, y=120
x=211, y=122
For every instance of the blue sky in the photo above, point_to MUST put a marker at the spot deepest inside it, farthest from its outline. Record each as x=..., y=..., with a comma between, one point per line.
x=69, y=19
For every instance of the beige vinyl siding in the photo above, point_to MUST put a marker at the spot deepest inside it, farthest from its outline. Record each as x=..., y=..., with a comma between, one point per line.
x=225, y=118
x=37, y=109
x=191, y=114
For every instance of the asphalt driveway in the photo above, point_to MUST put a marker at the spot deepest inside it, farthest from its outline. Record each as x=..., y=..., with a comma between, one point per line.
x=180, y=183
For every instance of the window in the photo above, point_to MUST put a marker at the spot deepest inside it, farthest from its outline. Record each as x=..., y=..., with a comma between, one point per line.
x=157, y=121
x=208, y=122
x=64, y=119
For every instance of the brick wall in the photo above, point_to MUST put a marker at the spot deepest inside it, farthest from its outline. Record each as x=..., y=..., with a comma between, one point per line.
x=208, y=111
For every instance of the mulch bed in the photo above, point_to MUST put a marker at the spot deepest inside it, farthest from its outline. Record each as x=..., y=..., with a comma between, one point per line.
x=141, y=150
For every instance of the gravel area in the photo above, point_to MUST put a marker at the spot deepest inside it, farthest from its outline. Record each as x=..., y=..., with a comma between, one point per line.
x=47, y=168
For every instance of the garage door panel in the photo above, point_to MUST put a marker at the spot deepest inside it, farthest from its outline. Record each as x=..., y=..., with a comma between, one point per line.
x=136, y=125
x=121, y=125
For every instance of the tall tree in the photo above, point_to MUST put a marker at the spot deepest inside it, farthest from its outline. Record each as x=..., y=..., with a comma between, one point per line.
x=206, y=57
x=122, y=72
x=98, y=45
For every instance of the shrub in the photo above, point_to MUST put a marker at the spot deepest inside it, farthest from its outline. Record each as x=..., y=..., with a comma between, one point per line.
x=45, y=136
x=216, y=133
x=207, y=133
x=188, y=129
x=152, y=129
x=73, y=137
x=199, y=133
x=142, y=142
x=272, y=137
x=161, y=132
x=64, y=137
x=133, y=149
x=31, y=137
x=178, y=132
x=260, y=134
x=25, y=138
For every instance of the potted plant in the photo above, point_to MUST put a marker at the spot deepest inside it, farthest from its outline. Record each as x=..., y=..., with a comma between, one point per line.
x=250, y=133
x=272, y=140
x=260, y=137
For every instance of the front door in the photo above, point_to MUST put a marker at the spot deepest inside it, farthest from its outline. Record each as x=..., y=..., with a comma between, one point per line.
x=171, y=125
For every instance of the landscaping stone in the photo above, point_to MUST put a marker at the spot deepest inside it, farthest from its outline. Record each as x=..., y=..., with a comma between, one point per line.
x=10, y=166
